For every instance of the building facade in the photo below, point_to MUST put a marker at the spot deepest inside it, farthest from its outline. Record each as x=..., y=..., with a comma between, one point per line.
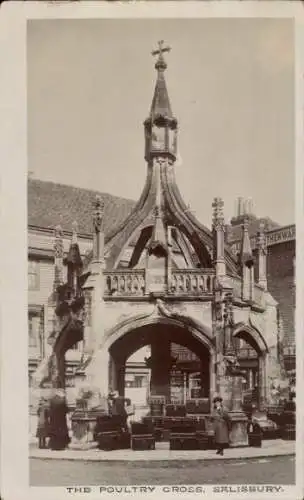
x=148, y=276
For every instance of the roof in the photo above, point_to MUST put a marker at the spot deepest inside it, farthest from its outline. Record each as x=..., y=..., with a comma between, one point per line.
x=50, y=204
x=161, y=104
x=234, y=231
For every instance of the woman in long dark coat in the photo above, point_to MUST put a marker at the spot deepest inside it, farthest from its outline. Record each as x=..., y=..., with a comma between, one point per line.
x=43, y=423
x=58, y=431
x=221, y=426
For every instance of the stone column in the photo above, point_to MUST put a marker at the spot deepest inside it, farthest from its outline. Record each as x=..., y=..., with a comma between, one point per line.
x=217, y=327
x=250, y=378
x=212, y=377
x=58, y=257
x=113, y=374
x=117, y=375
x=161, y=363
x=246, y=261
x=238, y=432
x=262, y=256
x=205, y=378
x=262, y=382
x=218, y=229
x=121, y=369
x=94, y=286
x=98, y=370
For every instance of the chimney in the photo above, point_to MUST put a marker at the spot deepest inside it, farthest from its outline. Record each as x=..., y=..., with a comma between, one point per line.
x=247, y=206
x=240, y=206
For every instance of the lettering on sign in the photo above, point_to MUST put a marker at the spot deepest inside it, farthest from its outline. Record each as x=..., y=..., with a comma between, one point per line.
x=272, y=238
x=268, y=490
x=286, y=234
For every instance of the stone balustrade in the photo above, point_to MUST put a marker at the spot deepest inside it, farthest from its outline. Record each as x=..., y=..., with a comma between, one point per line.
x=125, y=283
x=191, y=282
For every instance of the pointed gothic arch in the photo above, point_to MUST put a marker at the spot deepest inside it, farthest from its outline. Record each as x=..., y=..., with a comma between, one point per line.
x=136, y=332
x=252, y=336
x=202, y=333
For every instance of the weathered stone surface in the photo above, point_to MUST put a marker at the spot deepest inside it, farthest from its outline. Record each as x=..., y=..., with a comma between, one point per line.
x=238, y=435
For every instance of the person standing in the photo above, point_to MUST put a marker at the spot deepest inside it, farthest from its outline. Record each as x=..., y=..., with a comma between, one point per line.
x=118, y=409
x=43, y=422
x=59, y=434
x=221, y=426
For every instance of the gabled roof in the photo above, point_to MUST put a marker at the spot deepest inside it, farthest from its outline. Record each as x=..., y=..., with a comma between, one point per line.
x=50, y=204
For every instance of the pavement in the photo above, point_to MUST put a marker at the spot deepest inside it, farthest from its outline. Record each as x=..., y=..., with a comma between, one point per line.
x=270, y=448
x=114, y=476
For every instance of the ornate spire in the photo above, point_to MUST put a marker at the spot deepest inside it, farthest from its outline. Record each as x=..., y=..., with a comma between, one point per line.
x=246, y=262
x=261, y=238
x=158, y=244
x=74, y=240
x=262, y=256
x=229, y=347
x=98, y=236
x=98, y=213
x=161, y=104
x=218, y=227
x=73, y=258
x=58, y=244
x=161, y=126
x=218, y=221
x=58, y=254
x=246, y=256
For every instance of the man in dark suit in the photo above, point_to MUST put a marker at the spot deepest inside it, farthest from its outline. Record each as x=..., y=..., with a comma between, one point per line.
x=117, y=409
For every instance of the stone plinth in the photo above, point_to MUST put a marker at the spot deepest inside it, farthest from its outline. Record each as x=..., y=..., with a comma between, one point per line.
x=231, y=392
x=238, y=435
x=83, y=426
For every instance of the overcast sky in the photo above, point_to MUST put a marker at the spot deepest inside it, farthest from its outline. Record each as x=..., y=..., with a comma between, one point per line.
x=230, y=81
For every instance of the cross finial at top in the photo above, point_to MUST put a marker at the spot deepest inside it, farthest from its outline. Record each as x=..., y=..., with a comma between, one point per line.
x=161, y=48
x=160, y=63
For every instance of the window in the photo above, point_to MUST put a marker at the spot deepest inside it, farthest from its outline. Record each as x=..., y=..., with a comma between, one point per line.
x=33, y=275
x=137, y=381
x=35, y=329
x=33, y=325
x=195, y=386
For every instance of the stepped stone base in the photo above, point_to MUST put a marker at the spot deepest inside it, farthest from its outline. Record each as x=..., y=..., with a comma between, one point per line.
x=238, y=435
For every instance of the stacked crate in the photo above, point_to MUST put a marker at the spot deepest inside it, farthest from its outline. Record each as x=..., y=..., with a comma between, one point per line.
x=142, y=436
x=110, y=435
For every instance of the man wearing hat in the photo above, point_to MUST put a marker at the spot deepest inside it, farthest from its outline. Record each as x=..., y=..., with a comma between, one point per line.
x=221, y=425
x=117, y=408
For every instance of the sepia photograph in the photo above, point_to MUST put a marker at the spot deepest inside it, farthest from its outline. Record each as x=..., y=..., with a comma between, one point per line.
x=156, y=329
x=161, y=255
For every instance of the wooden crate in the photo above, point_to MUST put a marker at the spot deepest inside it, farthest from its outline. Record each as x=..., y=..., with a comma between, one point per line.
x=143, y=442
x=203, y=441
x=175, y=410
x=183, y=441
x=198, y=406
x=289, y=433
x=108, y=440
